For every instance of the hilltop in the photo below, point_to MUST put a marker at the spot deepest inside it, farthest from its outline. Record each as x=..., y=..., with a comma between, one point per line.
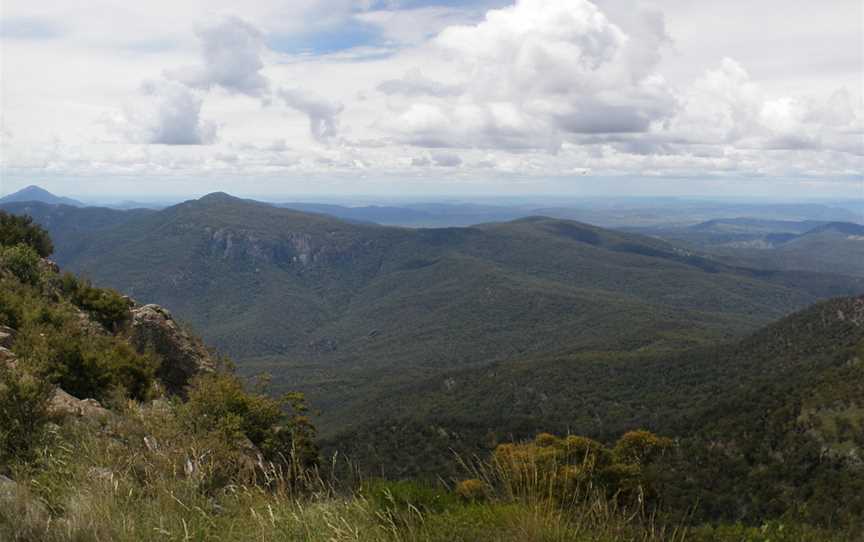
x=36, y=194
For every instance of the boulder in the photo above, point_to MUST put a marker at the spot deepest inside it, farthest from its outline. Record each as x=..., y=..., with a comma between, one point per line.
x=63, y=404
x=7, y=337
x=152, y=328
x=7, y=358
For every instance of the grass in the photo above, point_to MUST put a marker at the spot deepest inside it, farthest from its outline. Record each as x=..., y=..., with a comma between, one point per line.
x=95, y=481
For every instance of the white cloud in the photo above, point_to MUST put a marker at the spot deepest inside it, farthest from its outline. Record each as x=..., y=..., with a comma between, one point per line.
x=414, y=83
x=231, y=50
x=169, y=113
x=726, y=106
x=533, y=74
x=538, y=90
x=323, y=115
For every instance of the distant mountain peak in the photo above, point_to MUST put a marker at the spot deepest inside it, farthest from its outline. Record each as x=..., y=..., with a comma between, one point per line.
x=37, y=193
x=221, y=197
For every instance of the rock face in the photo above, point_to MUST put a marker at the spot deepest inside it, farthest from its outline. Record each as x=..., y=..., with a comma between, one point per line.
x=153, y=328
x=63, y=404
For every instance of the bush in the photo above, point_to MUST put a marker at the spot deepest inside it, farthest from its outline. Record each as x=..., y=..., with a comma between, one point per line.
x=23, y=413
x=107, y=306
x=86, y=366
x=23, y=261
x=16, y=230
x=277, y=427
x=639, y=447
x=472, y=490
x=566, y=469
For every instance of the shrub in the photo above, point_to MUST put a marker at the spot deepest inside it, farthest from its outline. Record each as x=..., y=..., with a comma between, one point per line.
x=277, y=427
x=23, y=261
x=86, y=366
x=639, y=447
x=472, y=490
x=563, y=469
x=107, y=306
x=16, y=230
x=23, y=413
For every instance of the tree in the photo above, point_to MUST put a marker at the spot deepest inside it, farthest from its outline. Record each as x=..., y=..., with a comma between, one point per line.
x=16, y=230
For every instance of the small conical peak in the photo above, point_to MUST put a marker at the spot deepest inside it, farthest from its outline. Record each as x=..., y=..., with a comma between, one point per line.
x=34, y=189
x=217, y=197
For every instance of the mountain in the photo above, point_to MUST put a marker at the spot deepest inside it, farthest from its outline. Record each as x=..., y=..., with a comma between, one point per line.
x=34, y=193
x=836, y=247
x=71, y=227
x=769, y=423
x=343, y=311
x=417, y=215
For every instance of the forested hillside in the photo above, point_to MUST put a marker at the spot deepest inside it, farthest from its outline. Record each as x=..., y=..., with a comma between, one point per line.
x=768, y=425
x=345, y=311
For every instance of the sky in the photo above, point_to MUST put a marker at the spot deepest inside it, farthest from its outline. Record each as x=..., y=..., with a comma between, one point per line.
x=279, y=99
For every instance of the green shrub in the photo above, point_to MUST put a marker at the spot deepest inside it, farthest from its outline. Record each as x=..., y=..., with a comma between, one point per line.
x=16, y=230
x=568, y=468
x=86, y=366
x=279, y=428
x=23, y=261
x=472, y=490
x=107, y=306
x=23, y=413
x=639, y=447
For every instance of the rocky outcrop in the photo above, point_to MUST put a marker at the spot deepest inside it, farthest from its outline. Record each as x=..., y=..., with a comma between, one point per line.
x=63, y=404
x=7, y=337
x=152, y=328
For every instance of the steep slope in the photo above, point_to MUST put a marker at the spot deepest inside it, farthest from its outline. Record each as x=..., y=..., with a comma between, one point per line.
x=769, y=424
x=37, y=194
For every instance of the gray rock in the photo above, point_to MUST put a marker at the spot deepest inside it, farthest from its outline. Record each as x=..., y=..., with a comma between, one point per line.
x=7, y=336
x=183, y=356
x=63, y=404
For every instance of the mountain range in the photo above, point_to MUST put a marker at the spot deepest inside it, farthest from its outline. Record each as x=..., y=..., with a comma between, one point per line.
x=345, y=311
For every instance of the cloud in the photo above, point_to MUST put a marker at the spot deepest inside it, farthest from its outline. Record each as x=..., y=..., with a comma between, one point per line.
x=446, y=159
x=725, y=106
x=415, y=84
x=30, y=28
x=323, y=115
x=231, y=51
x=169, y=113
x=533, y=74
